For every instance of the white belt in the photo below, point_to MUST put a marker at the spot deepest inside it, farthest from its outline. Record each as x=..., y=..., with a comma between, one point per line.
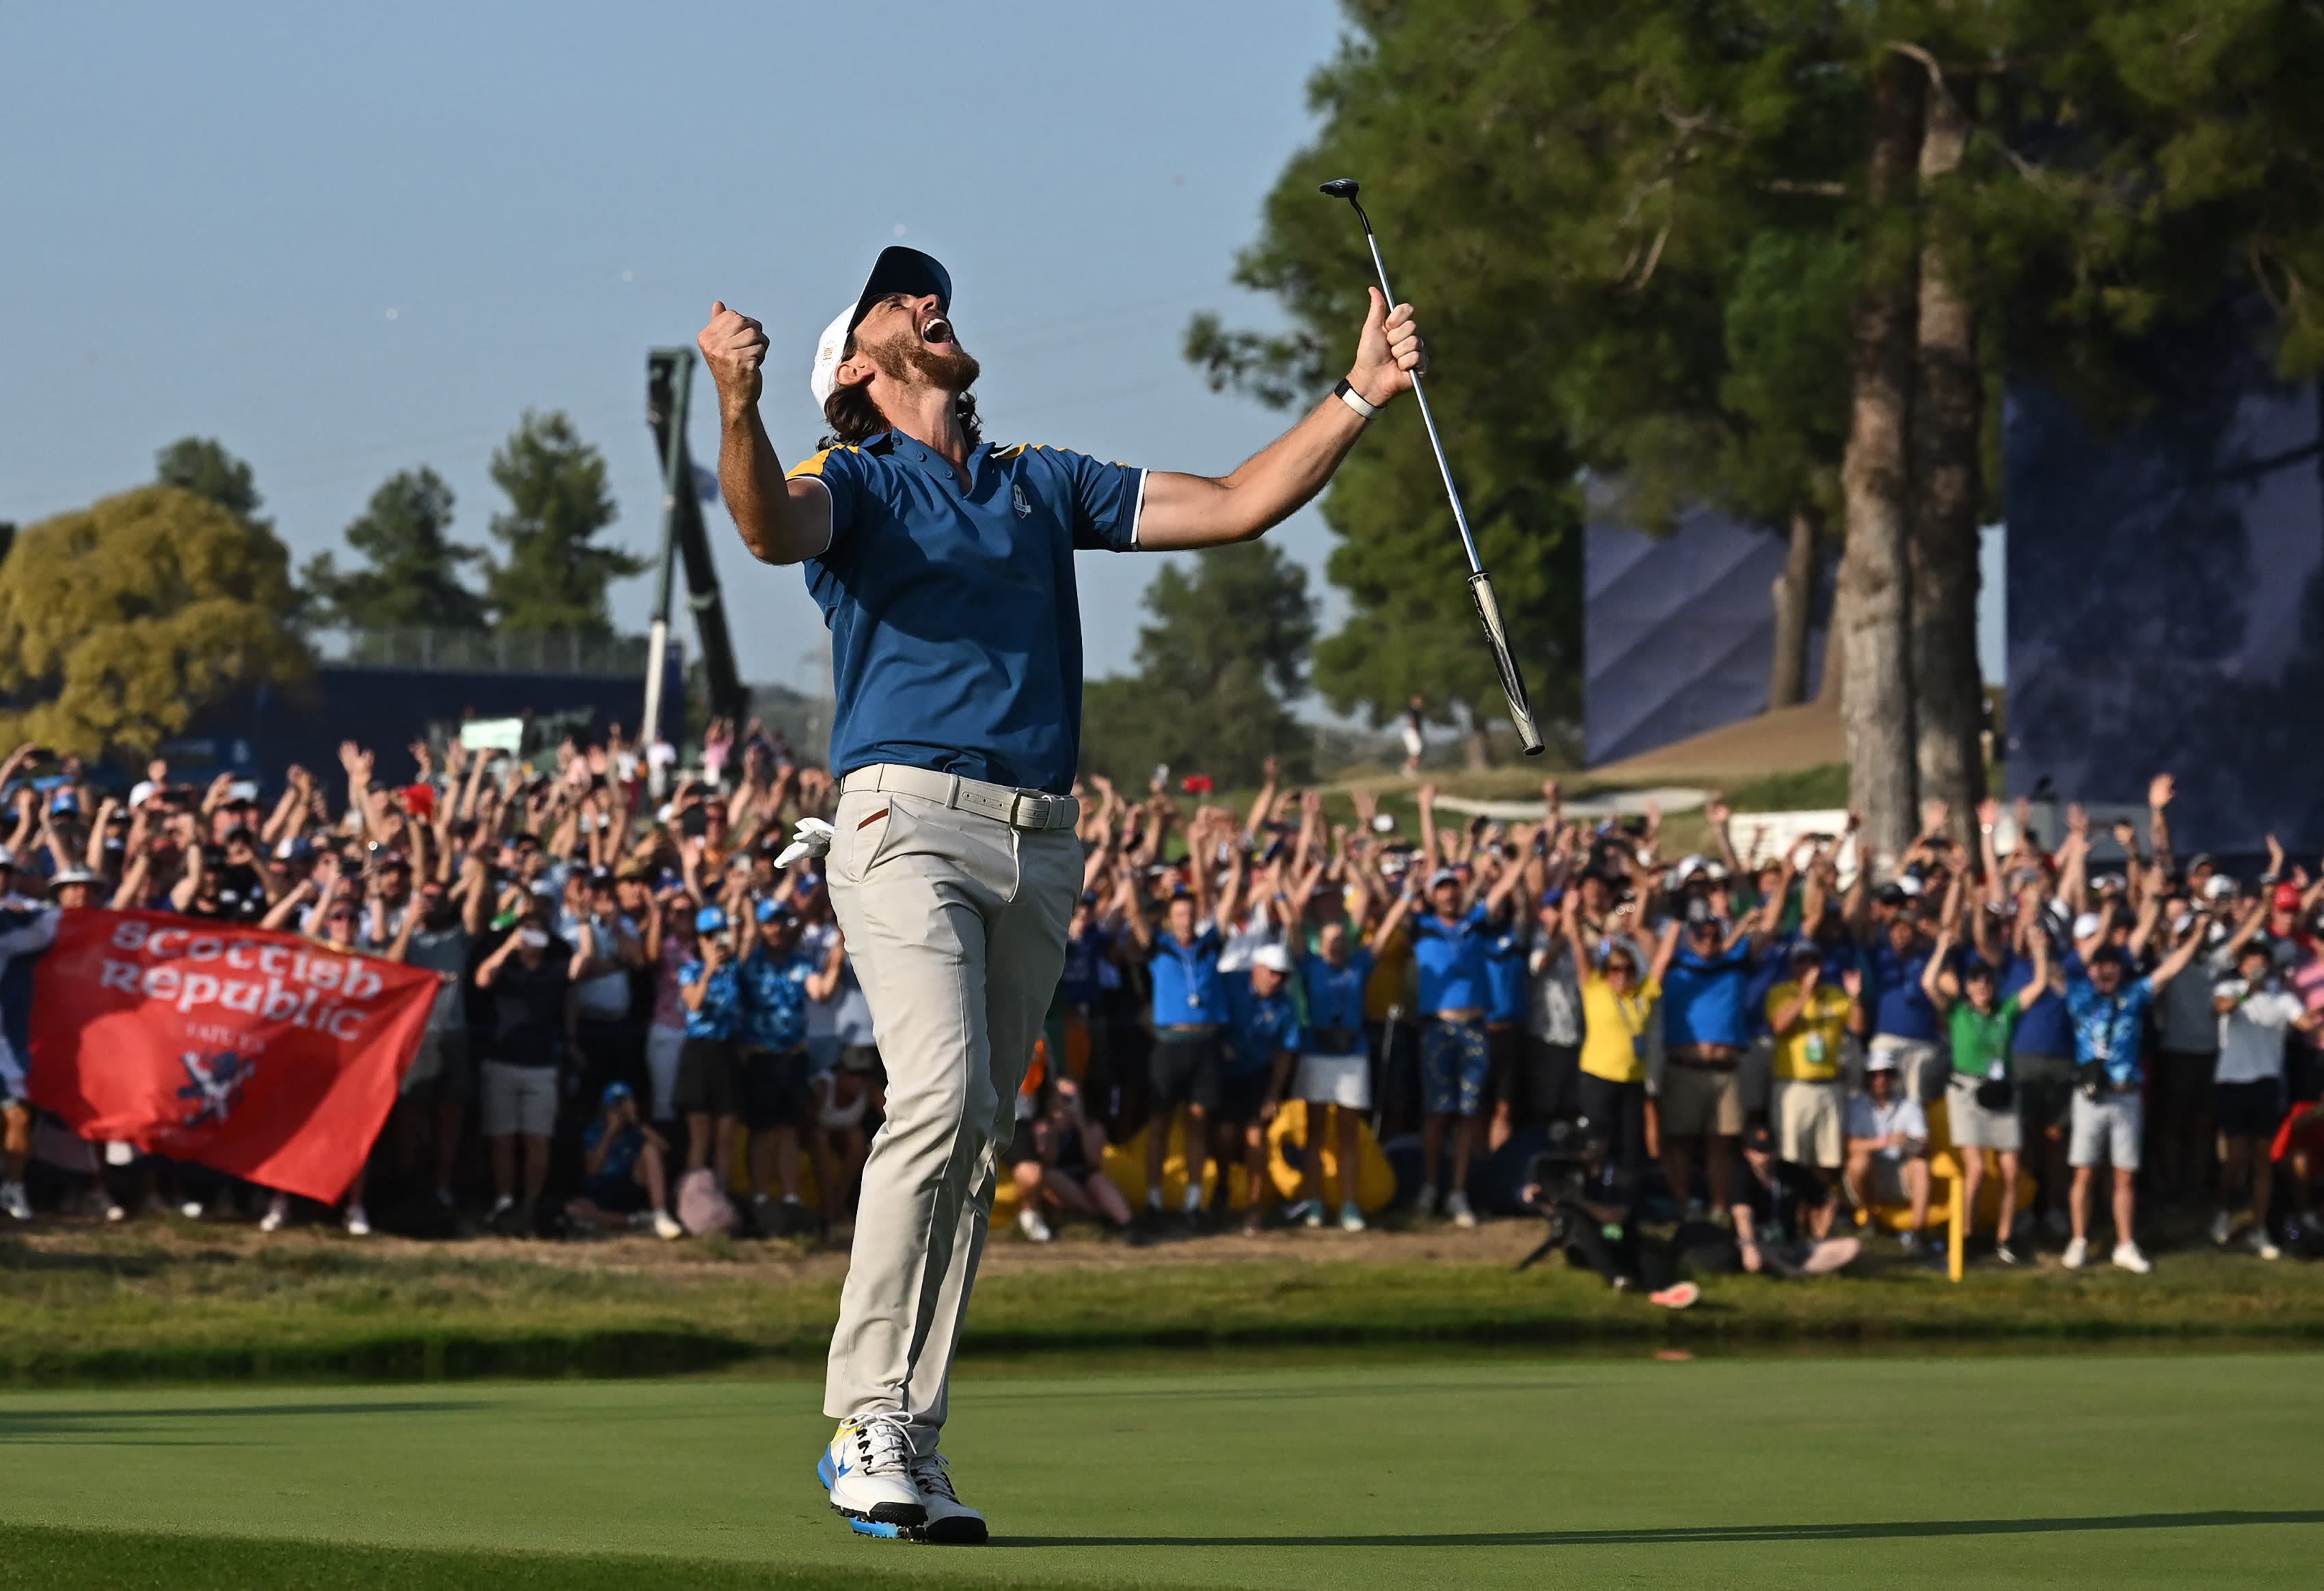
x=1019, y=809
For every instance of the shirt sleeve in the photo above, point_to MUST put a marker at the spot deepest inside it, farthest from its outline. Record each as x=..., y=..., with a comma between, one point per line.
x=1107, y=499
x=839, y=470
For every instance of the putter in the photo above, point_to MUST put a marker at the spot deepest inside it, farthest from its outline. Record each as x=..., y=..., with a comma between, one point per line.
x=1480, y=585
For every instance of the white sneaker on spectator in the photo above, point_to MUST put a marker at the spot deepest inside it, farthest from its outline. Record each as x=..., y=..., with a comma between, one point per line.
x=114, y=1212
x=357, y=1223
x=867, y=1469
x=1910, y=1242
x=2127, y=1257
x=276, y=1214
x=2004, y=1255
x=1303, y=1212
x=2223, y=1226
x=192, y=1210
x=951, y=1522
x=2077, y=1254
x=1425, y=1205
x=12, y=1201
x=1457, y=1211
x=1029, y=1222
x=2264, y=1246
x=1351, y=1218
x=667, y=1229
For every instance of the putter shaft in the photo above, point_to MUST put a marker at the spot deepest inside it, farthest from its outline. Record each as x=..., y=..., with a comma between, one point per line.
x=1436, y=446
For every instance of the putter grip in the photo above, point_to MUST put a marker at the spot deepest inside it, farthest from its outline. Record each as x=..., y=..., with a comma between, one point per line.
x=1488, y=610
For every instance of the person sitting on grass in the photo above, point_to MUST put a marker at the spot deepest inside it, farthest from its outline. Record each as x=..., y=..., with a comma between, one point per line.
x=1072, y=1149
x=624, y=1165
x=1888, y=1146
x=1980, y=1100
x=1262, y=1047
x=1783, y=1208
x=1592, y=1208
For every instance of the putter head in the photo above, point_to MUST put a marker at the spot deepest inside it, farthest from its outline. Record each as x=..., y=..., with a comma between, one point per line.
x=1344, y=188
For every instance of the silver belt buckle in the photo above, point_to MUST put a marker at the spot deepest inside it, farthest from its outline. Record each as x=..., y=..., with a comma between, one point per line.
x=978, y=801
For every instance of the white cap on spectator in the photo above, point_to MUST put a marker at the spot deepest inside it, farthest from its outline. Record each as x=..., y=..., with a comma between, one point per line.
x=2218, y=887
x=1910, y=883
x=1688, y=867
x=1272, y=957
x=2086, y=924
x=139, y=791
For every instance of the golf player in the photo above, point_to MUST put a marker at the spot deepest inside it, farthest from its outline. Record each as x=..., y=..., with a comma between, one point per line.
x=943, y=567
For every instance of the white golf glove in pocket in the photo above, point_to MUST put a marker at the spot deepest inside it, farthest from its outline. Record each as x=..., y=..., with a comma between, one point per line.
x=812, y=837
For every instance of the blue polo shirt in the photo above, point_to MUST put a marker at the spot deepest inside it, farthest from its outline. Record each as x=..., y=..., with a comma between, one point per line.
x=1186, y=979
x=2047, y=1028
x=1505, y=974
x=1335, y=995
x=1452, y=960
x=1702, y=996
x=1259, y=1029
x=955, y=626
x=1900, y=1007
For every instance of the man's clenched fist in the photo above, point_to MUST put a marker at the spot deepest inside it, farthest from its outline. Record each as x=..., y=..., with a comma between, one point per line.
x=734, y=345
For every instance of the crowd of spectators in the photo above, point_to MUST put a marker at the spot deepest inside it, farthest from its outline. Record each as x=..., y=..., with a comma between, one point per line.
x=642, y=1009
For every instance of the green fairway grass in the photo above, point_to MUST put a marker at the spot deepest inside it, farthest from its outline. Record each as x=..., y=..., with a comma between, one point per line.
x=2114, y=1470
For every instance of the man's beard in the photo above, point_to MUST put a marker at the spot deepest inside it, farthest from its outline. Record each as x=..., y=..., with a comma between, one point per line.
x=911, y=359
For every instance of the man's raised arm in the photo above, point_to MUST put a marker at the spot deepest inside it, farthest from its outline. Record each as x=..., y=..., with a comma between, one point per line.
x=781, y=521
x=1202, y=510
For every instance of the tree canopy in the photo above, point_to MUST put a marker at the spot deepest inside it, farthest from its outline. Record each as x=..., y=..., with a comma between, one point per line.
x=553, y=575
x=1216, y=670
x=121, y=622
x=411, y=573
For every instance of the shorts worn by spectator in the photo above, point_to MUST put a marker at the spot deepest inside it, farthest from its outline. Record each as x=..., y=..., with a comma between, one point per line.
x=1888, y=1148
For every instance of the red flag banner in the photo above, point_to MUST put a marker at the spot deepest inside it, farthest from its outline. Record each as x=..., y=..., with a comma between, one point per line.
x=261, y=1054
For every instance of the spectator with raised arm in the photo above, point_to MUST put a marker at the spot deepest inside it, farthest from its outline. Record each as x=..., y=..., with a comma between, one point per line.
x=1705, y=1031
x=1981, y=1097
x=2109, y=1008
x=2256, y=1013
x=1618, y=1002
x=1189, y=1005
x=1811, y=1020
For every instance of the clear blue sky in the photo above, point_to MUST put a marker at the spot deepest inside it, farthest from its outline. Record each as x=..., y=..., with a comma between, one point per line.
x=350, y=239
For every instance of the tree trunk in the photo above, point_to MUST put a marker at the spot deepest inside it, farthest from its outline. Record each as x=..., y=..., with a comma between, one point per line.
x=1476, y=746
x=1794, y=602
x=1831, y=690
x=1877, y=709
x=1947, y=412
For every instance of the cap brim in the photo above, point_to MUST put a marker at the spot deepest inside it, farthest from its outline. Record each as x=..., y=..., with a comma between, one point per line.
x=900, y=270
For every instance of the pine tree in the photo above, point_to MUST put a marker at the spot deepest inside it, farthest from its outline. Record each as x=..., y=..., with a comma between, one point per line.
x=553, y=576
x=413, y=572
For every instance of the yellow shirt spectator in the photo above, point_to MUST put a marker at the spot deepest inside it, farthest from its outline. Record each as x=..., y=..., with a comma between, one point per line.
x=1810, y=1051
x=1614, y=1028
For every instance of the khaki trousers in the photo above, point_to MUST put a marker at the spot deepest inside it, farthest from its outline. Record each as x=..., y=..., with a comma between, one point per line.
x=955, y=924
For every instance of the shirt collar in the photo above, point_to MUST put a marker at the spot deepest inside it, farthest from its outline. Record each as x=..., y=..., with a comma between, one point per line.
x=911, y=449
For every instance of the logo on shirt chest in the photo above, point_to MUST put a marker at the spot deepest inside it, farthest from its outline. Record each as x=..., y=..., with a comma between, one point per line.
x=1023, y=504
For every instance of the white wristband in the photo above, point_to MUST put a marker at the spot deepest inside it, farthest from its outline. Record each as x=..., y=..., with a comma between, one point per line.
x=1354, y=399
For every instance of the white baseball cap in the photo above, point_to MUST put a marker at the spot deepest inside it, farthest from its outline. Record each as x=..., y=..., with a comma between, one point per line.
x=1272, y=957
x=898, y=270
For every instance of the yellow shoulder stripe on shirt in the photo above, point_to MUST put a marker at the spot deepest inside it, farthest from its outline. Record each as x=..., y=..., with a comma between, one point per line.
x=814, y=466
x=1015, y=448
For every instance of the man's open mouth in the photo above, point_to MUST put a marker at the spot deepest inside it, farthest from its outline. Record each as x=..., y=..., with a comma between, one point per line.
x=936, y=329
